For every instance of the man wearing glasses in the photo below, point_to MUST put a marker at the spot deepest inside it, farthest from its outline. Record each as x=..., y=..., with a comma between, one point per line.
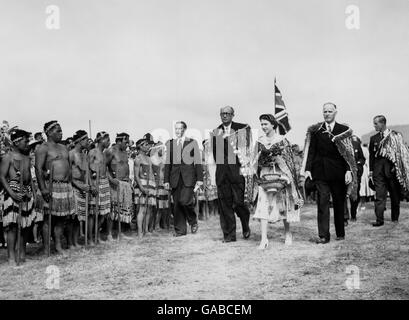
x=230, y=183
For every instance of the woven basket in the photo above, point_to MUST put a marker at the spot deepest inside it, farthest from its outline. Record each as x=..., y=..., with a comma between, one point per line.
x=273, y=182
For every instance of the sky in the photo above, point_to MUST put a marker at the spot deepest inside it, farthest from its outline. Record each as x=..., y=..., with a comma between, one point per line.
x=138, y=66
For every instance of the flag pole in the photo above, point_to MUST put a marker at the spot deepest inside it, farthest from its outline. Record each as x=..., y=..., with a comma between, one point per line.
x=274, y=94
x=89, y=125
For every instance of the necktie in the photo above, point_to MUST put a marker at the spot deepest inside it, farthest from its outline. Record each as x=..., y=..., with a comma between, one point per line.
x=329, y=128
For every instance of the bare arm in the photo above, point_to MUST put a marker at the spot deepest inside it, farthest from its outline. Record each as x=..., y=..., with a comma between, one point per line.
x=4, y=169
x=137, y=168
x=109, y=157
x=40, y=161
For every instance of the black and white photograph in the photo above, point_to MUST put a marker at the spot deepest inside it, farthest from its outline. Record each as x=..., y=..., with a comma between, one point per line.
x=213, y=150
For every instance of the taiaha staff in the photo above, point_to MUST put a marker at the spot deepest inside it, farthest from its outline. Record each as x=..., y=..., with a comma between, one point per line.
x=117, y=202
x=50, y=207
x=97, y=207
x=20, y=209
x=86, y=203
x=118, y=209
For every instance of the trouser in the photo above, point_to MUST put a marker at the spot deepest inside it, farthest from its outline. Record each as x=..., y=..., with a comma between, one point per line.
x=383, y=184
x=184, y=208
x=326, y=190
x=231, y=199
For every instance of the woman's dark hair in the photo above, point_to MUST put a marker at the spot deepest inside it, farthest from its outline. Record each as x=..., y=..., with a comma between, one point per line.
x=270, y=118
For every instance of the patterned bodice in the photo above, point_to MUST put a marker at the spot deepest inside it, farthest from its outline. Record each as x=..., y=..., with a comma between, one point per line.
x=268, y=155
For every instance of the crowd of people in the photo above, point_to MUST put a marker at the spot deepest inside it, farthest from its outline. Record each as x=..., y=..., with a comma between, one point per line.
x=91, y=190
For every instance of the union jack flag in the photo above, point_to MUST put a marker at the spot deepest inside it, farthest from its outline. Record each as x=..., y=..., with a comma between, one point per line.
x=280, y=112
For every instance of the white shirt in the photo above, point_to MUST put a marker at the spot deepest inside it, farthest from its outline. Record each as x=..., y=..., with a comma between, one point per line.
x=180, y=141
x=385, y=133
x=227, y=129
x=330, y=125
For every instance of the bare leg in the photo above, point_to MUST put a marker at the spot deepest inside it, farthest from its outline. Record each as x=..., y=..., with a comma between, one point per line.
x=44, y=230
x=23, y=243
x=152, y=220
x=158, y=218
x=75, y=232
x=35, y=228
x=148, y=218
x=287, y=233
x=70, y=231
x=109, y=228
x=140, y=221
x=101, y=220
x=264, y=240
x=58, y=232
x=11, y=244
x=91, y=229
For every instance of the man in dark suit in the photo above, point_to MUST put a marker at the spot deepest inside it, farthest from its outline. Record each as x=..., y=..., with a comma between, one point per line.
x=183, y=173
x=331, y=173
x=382, y=173
x=230, y=183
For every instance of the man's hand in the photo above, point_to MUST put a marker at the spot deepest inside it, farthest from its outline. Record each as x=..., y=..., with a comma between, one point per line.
x=85, y=188
x=46, y=195
x=348, y=177
x=18, y=197
x=166, y=186
x=307, y=174
x=115, y=182
x=144, y=190
x=94, y=191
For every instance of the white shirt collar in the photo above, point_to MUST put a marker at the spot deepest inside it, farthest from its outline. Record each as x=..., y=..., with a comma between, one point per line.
x=332, y=124
x=181, y=139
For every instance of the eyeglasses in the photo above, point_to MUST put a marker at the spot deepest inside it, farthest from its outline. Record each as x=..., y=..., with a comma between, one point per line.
x=226, y=113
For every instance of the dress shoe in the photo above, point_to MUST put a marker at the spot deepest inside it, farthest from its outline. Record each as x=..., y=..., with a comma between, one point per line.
x=195, y=227
x=395, y=221
x=345, y=223
x=178, y=234
x=339, y=238
x=377, y=224
x=353, y=219
x=229, y=240
x=246, y=234
x=322, y=241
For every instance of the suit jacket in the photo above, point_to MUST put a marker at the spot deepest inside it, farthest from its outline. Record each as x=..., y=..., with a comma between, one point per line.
x=227, y=163
x=185, y=164
x=378, y=164
x=324, y=160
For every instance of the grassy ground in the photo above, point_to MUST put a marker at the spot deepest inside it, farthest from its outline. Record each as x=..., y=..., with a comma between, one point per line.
x=201, y=267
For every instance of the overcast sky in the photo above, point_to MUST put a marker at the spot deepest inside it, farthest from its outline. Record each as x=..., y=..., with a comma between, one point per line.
x=135, y=66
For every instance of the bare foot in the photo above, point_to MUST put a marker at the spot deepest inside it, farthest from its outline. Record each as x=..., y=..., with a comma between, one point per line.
x=109, y=238
x=91, y=243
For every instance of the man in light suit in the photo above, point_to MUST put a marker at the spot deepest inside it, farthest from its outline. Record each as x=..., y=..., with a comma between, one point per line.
x=183, y=174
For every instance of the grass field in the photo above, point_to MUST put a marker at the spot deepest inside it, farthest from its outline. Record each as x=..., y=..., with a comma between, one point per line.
x=200, y=266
